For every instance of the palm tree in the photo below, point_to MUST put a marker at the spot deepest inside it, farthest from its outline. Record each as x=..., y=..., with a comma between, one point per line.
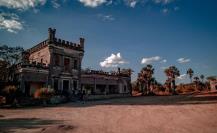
x=196, y=81
x=202, y=77
x=190, y=72
x=145, y=78
x=172, y=72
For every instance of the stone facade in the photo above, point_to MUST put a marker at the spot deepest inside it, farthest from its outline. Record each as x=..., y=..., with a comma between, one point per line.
x=56, y=63
x=53, y=63
x=104, y=83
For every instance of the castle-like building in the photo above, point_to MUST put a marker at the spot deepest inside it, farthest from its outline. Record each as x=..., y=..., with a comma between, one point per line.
x=56, y=63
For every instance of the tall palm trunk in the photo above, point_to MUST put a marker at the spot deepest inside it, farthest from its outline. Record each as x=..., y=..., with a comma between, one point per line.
x=174, y=86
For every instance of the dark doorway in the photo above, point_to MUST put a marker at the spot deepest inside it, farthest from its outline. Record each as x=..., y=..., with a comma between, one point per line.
x=27, y=88
x=65, y=88
x=56, y=85
x=65, y=85
x=75, y=85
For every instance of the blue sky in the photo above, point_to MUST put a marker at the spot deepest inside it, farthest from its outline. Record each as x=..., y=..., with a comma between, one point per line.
x=160, y=32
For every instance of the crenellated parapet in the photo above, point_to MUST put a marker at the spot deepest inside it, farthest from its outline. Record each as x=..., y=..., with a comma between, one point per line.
x=52, y=40
x=32, y=65
x=121, y=73
x=67, y=44
x=38, y=47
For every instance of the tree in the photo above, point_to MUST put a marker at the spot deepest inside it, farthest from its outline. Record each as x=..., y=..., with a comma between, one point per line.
x=9, y=57
x=3, y=73
x=190, y=72
x=196, y=79
x=197, y=82
x=145, y=78
x=172, y=72
x=202, y=78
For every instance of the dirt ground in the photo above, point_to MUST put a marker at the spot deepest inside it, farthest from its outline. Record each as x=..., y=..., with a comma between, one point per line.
x=150, y=114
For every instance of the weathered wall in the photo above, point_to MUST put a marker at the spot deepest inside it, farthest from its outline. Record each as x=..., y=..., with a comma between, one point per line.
x=41, y=55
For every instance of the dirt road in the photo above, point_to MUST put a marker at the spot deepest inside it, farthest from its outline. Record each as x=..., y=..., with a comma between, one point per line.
x=164, y=114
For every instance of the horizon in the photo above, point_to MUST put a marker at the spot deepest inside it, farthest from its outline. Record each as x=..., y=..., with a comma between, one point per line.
x=122, y=33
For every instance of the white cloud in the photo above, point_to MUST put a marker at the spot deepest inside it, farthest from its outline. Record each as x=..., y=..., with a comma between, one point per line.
x=150, y=60
x=163, y=1
x=21, y=4
x=133, y=4
x=165, y=10
x=182, y=77
x=176, y=8
x=106, y=17
x=164, y=61
x=10, y=22
x=109, y=2
x=183, y=60
x=113, y=61
x=55, y=3
x=92, y=3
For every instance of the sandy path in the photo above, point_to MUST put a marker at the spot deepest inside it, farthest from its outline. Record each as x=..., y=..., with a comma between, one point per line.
x=178, y=114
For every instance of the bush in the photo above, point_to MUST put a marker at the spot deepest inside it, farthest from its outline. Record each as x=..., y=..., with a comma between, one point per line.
x=10, y=93
x=2, y=100
x=44, y=93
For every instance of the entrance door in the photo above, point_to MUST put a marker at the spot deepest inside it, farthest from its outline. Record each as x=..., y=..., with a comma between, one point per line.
x=27, y=88
x=65, y=85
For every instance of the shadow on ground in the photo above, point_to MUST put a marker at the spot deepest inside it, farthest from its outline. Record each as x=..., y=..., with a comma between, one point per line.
x=187, y=99
x=7, y=125
x=151, y=100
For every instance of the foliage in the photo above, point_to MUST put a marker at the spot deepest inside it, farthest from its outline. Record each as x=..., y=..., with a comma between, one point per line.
x=10, y=93
x=12, y=55
x=3, y=70
x=2, y=100
x=172, y=72
x=202, y=77
x=44, y=93
x=145, y=78
x=196, y=79
x=190, y=72
x=10, y=89
x=9, y=57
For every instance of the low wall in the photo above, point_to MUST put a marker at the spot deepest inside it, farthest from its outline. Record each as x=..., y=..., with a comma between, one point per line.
x=108, y=96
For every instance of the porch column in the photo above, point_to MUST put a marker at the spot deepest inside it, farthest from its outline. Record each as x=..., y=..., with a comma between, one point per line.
x=94, y=85
x=106, y=89
x=22, y=84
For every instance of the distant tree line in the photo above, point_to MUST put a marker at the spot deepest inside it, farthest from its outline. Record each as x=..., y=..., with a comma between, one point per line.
x=146, y=83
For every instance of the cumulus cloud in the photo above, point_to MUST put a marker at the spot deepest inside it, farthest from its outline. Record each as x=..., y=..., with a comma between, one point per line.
x=182, y=77
x=113, y=61
x=10, y=22
x=93, y=3
x=183, y=60
x=163, y=1
x=55, y=3
x=110, y=2
x=164, y=61
x=150, y=60
x=131, y=3
x=165, y=10
x=106, y=17
x=21, y=4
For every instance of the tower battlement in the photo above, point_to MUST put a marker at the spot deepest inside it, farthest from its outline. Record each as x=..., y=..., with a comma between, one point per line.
x=52, y=40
